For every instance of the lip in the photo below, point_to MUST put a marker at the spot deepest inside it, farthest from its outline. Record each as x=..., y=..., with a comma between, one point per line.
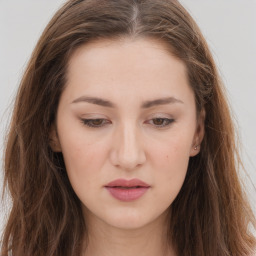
x=127, y=190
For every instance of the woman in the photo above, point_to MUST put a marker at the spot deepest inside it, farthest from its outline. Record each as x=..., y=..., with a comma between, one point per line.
x=121, y=140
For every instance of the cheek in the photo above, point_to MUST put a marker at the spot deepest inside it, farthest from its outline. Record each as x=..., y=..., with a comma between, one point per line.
x=174, y=151
x=170, y=162
x=83, y=160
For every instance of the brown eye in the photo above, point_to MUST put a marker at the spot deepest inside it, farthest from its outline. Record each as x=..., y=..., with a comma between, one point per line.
x=161, y=122
x=95, y=123
x=158, y=121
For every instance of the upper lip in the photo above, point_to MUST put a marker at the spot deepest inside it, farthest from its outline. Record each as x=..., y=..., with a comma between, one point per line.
x=127, y=183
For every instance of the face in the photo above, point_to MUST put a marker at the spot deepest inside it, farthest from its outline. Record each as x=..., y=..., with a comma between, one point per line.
x=127, y=126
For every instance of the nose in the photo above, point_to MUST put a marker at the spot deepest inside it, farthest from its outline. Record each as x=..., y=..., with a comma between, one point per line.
x=127, y=150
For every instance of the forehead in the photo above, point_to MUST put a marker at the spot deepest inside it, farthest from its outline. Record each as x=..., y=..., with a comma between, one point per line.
x=142, y=52
x=129, y=66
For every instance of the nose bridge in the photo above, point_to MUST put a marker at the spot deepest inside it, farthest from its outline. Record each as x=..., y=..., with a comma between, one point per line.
x=129, y=151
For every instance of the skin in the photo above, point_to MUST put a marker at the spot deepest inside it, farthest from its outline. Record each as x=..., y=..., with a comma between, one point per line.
x=152, y=143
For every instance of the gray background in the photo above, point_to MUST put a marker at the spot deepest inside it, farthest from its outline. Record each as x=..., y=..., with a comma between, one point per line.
x=229, y=27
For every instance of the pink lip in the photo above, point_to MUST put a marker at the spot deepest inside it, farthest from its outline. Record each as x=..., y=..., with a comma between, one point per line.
x=127, y=190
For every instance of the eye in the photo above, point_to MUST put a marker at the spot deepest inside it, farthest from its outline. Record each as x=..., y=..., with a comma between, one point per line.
x=95, y=123
x=161, y=122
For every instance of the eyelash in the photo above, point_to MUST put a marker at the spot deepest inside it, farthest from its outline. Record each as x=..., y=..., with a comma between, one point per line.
x=89, y=122
x=166, y=122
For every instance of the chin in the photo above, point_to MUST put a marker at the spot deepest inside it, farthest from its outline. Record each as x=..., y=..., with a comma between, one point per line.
x=127, y=222
x=129, y=219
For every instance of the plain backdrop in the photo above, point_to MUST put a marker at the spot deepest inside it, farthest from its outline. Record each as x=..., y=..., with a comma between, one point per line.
x=229, y=27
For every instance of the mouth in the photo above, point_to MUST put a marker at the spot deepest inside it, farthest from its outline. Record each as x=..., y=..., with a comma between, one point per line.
x=126, y=187
x=127, y=190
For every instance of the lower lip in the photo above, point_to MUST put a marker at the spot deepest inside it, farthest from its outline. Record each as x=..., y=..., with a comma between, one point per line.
x=127, y=194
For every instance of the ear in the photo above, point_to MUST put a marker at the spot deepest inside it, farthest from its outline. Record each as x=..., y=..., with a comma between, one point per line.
x=54, y=139
x=199, y=134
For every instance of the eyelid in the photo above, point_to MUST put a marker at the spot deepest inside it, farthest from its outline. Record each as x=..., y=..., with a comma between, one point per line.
x=97, y=121
x=89, y=122
x=167, y=122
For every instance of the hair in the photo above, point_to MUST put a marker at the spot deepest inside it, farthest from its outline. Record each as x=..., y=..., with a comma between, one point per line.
x=210, y=216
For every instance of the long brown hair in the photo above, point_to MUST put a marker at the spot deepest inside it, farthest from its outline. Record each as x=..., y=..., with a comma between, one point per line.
x=210, y=215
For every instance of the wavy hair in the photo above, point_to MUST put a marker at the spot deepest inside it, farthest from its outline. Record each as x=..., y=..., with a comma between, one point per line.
x=209, y=217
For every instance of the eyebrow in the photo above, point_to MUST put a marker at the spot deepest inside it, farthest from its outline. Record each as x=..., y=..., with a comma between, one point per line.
x=94, y=100
x=161, y=101
x=146, y=104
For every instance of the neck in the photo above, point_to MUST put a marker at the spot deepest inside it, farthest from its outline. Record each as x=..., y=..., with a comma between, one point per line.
x=106, y=240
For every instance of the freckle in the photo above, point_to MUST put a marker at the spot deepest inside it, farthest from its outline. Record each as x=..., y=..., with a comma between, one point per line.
x=167, y=156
